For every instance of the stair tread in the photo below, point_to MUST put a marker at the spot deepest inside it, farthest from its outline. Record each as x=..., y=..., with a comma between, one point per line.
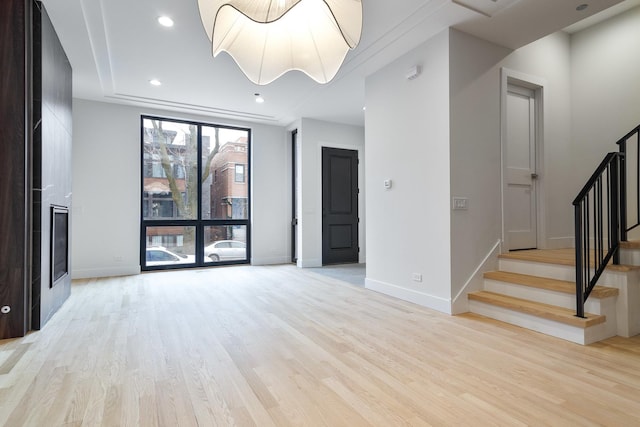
x=548, y=283
x=547, y=311
x=630, y=244
x=559, y=257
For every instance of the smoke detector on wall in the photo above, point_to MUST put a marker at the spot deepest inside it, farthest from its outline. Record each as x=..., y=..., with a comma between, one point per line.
x=486, y=7
x=413, y=72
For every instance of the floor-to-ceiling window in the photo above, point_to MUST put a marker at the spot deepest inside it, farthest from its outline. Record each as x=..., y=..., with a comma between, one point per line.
x=195, y=194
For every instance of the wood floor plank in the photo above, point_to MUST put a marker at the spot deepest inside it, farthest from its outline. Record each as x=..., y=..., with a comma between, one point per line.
x=278, y=346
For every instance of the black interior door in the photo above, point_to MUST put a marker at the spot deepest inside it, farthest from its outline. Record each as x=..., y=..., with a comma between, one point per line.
x=339, y=206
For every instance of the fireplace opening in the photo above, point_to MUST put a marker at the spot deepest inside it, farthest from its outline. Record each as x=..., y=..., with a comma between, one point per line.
x=59, y=243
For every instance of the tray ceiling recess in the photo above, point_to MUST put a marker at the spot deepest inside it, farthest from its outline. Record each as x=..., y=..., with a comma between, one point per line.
x=486, y=7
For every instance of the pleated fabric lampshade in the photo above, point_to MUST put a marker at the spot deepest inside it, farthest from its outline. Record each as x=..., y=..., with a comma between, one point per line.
x=267, y=38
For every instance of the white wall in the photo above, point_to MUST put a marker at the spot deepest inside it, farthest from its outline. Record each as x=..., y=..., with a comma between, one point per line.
x=106, y=188
x=312, y=136
x=475, y=159
x=591, y=95
x=605, y=77
x=407, y=141
x=591, y=98
x=439, y=136
x=476, y=149
x=271, y=195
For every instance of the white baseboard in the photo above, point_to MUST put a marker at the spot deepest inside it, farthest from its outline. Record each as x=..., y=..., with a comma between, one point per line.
x=312, y=262
x=560, y=242
x=430, y=301
x=460, y=303
x=271, y=260
x=90, y=273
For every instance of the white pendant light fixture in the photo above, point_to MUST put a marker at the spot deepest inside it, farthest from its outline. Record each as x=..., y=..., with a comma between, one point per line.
x=267, y=38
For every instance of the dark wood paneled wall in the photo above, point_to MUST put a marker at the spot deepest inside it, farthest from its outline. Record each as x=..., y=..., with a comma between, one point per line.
x=51, y=160
x=35, y=163
x=15, y=18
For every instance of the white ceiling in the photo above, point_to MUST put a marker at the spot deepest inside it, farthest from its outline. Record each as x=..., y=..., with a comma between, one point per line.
x=117, y=46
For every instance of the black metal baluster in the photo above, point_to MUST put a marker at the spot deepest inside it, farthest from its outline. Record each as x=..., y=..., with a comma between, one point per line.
x=579, y=273
x=613, y=215
x=623, y=189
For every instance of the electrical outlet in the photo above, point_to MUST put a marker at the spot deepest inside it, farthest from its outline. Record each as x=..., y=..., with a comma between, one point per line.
x=460, y=203
x=416, y=277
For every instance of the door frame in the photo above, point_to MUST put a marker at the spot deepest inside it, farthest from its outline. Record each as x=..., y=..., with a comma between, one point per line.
x=294, y=196
x=538, y=85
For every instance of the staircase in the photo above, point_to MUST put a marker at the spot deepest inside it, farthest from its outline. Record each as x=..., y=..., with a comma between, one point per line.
x=588, y=293
x=536, y=290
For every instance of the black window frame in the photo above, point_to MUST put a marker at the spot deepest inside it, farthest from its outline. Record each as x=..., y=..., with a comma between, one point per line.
x=199, y=223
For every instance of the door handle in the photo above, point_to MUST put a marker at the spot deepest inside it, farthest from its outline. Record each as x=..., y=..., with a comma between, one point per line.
x=534, y=176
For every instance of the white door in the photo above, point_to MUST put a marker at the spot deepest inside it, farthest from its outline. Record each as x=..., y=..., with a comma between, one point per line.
x=520, y=192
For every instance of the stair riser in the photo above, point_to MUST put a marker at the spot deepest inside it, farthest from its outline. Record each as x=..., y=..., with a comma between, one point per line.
x=630, y=256
x=628, y=305
x=561, y=299
x=629, y=300
x=545, y=326
x=560, y=272
x=554, y=271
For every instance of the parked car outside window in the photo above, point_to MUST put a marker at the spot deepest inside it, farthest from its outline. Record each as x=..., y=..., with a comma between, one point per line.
x=226, y=250
x=158, y=255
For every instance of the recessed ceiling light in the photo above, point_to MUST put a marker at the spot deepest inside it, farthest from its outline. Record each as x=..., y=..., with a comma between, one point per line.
x=259, y=99
x=582, y=7
x=165, y=21
x=155, y=82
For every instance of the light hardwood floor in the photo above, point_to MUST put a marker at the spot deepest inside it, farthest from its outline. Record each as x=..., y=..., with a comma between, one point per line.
x=279, y=346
